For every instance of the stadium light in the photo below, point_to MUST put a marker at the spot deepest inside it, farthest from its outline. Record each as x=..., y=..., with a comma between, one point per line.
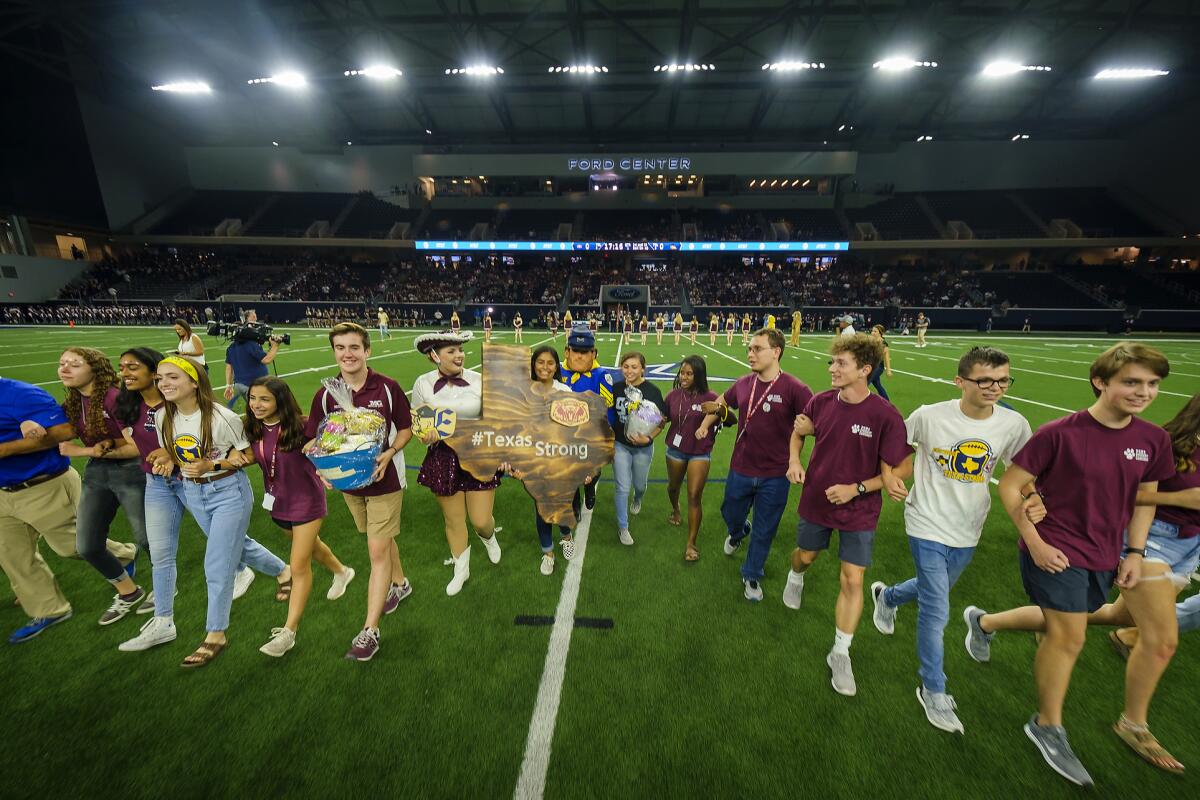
x=275, y=144
x=793, y=66
x=1017, y=137
x=480, y=70
x=1000, y=69
x=807, y=181
x=184, y=87
x=379, y=72
x=901, y=64
x=288, y=80
x=585, y=69
x=924, y=138
x=684, y=67
x=1130, y=73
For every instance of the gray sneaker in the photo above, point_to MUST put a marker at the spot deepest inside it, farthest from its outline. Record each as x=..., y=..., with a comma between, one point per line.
x=119, y=607
x=1051, y=741
x=843, y=675
x=884, y=616
x=635, y=506
x=939, y=710
x=979, y=643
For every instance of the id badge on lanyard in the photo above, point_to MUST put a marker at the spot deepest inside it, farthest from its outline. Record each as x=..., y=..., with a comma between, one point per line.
x=268, y=502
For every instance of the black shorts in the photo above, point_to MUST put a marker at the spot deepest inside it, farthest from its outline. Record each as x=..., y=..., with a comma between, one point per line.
x=287, y=525
x=1074, y=590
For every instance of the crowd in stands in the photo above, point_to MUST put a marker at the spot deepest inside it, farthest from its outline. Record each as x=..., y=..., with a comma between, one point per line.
x=501, y=279
x=719, y=284
x=134, y=272
x=98, y=314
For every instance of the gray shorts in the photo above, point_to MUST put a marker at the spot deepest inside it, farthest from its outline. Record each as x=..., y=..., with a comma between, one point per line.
x=854, y=547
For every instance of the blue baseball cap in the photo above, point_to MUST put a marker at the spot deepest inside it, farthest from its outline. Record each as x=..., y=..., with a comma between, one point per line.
x=581, y=338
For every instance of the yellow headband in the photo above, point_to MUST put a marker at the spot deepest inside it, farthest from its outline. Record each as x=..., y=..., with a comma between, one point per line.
x=187, y=366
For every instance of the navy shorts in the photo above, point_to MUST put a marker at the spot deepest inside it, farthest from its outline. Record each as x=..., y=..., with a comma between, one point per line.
x=287, y=525
x=1074, y=590
x=854, y=547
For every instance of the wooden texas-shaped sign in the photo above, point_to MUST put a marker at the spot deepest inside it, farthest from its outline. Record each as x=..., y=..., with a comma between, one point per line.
x=554, y=439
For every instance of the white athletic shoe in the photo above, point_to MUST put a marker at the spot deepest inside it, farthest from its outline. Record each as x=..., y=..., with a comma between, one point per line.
x=156, y=631
x=547, y=567
x=752, y=590
x=340, y=581
x=462, y=572
x=492, y=546
x=624, y=536
x=842, y=676
x=884, y=615
x=635, y=507
x=242, y=581
x=939, y=710
x=793, y=591
x=282, y=640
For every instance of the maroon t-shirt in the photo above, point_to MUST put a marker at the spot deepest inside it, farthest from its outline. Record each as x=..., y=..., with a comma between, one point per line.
x=765, y=422
x=291, y=478
x=111, y=425
x=145, y=434
x=683, y=409
x=1188, y=519
x=851, y=440
x=374, y=395
x=1089, y=474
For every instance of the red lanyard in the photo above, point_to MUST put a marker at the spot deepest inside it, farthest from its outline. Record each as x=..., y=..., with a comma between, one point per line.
x=683, y=400
x=262, y=454
x=751, y=408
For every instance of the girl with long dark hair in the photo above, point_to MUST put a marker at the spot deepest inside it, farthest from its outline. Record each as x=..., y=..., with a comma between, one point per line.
x=190, y=344
x=295, y=498
x=688, y=456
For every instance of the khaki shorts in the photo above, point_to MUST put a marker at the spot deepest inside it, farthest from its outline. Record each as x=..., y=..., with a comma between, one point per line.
x=378, y=515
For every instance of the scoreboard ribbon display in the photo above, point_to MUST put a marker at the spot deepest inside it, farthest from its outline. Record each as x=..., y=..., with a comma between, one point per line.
x=639, y=247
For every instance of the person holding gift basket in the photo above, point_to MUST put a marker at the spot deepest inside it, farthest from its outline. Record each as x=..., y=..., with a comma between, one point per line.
x=364, y=416
x=636, y=418
x=450, y=388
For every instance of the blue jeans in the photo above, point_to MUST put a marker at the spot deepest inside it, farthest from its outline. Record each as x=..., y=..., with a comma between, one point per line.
x=768, y=497
x=938, y=568
x=876, y=380
x=108, y=485
x=223, y=514
x=630, y=464
x=241, y=390
x=1188, y=614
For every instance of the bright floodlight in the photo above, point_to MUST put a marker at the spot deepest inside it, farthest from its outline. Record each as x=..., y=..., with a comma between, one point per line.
x=793, y=66
x=379, y=72
x=586, y=69
x=484, y=70
x=290, y=80
x=184, y=87
x=684, y=67
x=901, y=64
x=1129, y=73
x=998, y=69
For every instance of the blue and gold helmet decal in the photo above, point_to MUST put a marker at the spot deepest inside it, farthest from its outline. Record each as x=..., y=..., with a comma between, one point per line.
x=968, y=461
x=187, y=449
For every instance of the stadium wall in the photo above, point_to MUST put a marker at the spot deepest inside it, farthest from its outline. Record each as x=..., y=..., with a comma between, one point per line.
x=289, y=169
x=35, y=279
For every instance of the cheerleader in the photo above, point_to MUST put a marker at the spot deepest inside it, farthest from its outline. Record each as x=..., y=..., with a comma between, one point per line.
x=518, y=323
x=294, y=497
x=643, y=327
x=455, y=322
x=693, y=329
x=730, y=328
x=660, y=325
x=677, y=326
x=688, y=456
x=551, y=323
x=460, y=494
x=593, y=323
x=746, y=323
x=567, y=320
x=628, y=328
x=487, y=326
x=713, y=325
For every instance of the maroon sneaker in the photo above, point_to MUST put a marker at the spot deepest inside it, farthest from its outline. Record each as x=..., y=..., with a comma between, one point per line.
x=395, y=594
x=365, y=645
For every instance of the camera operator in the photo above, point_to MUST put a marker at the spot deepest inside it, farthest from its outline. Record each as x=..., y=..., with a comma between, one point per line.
x=245, y=361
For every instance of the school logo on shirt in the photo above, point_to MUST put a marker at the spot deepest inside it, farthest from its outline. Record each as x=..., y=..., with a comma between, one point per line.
x=862, y=430
x=1136, y=454
x=187, y=448
x=375, y=404
x=969, y=461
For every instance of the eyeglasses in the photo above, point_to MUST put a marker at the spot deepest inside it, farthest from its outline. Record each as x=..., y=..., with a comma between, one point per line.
x=756, y=349
x=988, y=383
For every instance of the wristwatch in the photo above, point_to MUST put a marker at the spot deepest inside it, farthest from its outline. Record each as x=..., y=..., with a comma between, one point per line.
x=862, y=489
x=1141, y=551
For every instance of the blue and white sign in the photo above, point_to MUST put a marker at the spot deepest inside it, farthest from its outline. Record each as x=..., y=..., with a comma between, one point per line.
x=639, y=247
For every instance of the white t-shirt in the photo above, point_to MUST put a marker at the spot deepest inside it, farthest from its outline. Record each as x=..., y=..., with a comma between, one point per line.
x=188, y=348
x=465, y=401
x=848, y=331
x=227, y=433
x=952, y=469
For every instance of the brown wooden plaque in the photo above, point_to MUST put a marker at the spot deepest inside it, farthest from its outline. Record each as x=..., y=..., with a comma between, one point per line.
x=556, y=439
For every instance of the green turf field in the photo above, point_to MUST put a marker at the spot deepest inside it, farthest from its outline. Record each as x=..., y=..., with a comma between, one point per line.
x=693, y=691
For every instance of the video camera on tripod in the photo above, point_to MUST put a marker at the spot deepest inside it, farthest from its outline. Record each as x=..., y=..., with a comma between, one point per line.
x=247, y=332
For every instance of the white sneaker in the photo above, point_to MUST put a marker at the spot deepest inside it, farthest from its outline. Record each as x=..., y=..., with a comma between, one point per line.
x=492, y=545
x=624, y=536
x=884, y=615
x=282, y=640
x=156, y=631
x=635, y=507
x=842, y=676
x=340, y=581
x=753, y=591
x=793, y=591
x=242, y=581
x=547, y=567
x=462, y=572
x=939, y=710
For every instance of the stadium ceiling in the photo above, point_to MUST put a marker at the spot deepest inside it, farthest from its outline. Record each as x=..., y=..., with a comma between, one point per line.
x=116, y=49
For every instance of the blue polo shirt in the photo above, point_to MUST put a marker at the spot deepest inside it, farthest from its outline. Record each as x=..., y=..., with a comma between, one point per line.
x=246, y=359
x=19, y=402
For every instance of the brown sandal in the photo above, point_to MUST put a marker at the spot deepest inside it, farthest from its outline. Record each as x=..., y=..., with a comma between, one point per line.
x=691, y=554
x=674, y=518
x=206, y=652
x=1142, y=742
x=1123, y=650
x=283, y=592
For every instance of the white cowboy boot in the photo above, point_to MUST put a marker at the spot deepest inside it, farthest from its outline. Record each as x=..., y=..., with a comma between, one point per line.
x=462, y=571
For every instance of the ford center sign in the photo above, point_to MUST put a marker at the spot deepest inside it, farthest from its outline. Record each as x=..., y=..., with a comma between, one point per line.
x=646, y=163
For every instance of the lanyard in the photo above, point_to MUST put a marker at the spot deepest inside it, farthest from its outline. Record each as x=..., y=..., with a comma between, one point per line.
x=262, y=453
x=751, y=408
x=683, y=400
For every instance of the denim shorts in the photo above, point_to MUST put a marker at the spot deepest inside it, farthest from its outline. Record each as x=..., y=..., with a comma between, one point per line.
x=854, y=547
x=679, y=455
x=1074, y=590
x=1164, y=546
